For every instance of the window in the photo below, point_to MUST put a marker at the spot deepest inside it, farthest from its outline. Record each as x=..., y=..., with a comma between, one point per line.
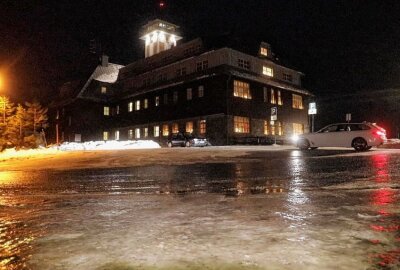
x=116, y=135
x=189, y=127
x=202, y=65
x=241, y=124
x=264, y=51
x=273, y=98
x=201, y=91
x=268, y=71
x=265, y=92
x=137, y=105
x=165, y=130
x=241, y=89
x=146, y=132
x=165, y=99
x=175, y=128
x=156, y=131
x=106, y=110
x=202, y=126
x=266, y=127
x=298, y=129
x=181, y=71
x=162, y=77
x=69, y=121
x=103, y=90
x=244, y=63
x=287, y=77
x=175, y=97
x=157, y=101
x=117, y=109
x=58, y=114
x=130, y=106
x=279, y=128
x=105, y=135
x=278, y=92
x=146, y=82
x=297, y=101
x=130, y=134
x=145, y=103
x=137, y=133
x=189, y=94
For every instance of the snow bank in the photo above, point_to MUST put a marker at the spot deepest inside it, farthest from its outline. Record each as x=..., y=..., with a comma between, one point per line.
x=12, y=153
x=108, y=145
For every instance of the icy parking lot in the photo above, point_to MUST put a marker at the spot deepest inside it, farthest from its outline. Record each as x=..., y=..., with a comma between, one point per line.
x=211, y=208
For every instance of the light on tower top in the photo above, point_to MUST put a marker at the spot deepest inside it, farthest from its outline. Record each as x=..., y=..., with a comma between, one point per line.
x=161, y=4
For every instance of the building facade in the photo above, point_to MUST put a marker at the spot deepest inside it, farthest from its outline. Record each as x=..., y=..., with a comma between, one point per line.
x=220, y=93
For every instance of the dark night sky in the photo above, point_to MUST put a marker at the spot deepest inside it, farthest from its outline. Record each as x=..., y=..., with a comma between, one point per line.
x=341, y=46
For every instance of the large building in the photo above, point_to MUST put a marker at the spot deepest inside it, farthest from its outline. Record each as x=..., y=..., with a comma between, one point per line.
x=218, y=92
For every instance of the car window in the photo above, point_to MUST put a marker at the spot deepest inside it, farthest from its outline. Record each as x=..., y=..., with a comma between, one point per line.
x=342, y=128
x=332, y=128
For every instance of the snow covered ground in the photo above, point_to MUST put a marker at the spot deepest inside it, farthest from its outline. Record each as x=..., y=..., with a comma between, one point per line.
x=108, y=145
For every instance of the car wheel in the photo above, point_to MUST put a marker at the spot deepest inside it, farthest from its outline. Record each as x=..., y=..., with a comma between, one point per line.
x=368, y=147
x=303, y=144
x=359, y=144
x=169, y=144
x=313, y=148
x=187, y=144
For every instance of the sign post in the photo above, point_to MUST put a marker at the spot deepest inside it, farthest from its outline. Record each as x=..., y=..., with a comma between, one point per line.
x=274, y=117
x=348, y=117
x=312, y=110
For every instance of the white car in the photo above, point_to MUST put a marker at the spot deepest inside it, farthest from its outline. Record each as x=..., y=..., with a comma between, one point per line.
x=360, y=136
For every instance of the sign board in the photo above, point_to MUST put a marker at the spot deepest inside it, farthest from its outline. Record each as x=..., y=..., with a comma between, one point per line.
x=312, y=108
x=274, y=113
x=348, y=117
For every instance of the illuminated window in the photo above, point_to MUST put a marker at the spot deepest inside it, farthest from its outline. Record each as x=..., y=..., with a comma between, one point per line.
x=165, y=130
x=202, y=65
x=268, y=71
x=189, y=94
x=146, y=132
x=276, y=128
x=137, y=133
x=287, y=77
x=264, y=51
x=298, y=129
x=189, y=127
x=145, y=103
x=105, y=136
x=157, y=101
x=273, y=98
x=297, y=101
x=137, y=105
x=103, y=90
x=116, y=135
x=266, y=127
x=156, y=131
x=265, y=89
x=241, y=89
x=175, y=128
x=106, y=110
x=130, y=106
x=201, y=91
x=165, y=99
x=244, y=63
x=241, y=124
x=175, y=97
x=278, y=92
x=130, y=134
x=202, y=126
x=117, y=109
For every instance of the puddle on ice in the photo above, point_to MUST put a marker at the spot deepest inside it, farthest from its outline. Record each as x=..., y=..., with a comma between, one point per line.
x=271, y=214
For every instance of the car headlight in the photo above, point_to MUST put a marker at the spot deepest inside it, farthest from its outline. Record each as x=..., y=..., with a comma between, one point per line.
x=295, y=138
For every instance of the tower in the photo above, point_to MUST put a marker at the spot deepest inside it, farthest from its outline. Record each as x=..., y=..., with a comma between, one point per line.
x=159, y=36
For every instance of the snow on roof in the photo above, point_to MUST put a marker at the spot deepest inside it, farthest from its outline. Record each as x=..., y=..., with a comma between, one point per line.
x=108, y=74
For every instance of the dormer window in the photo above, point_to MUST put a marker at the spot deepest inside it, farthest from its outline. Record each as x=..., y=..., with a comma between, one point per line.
x=264, y=51
x=244, y=63
x=268, y=71
x=103, y=90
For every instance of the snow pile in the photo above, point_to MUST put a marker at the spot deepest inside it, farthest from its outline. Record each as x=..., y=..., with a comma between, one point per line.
x=108, y=145
x=12, y=153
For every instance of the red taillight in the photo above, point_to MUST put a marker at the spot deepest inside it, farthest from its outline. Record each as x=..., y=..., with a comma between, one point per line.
x=380, y=133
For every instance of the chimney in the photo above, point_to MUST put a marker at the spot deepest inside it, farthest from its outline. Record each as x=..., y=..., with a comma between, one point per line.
x=104, y=60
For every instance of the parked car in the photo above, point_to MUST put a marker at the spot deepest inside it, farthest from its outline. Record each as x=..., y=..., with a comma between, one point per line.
x=360, y=136
x=186, y=140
